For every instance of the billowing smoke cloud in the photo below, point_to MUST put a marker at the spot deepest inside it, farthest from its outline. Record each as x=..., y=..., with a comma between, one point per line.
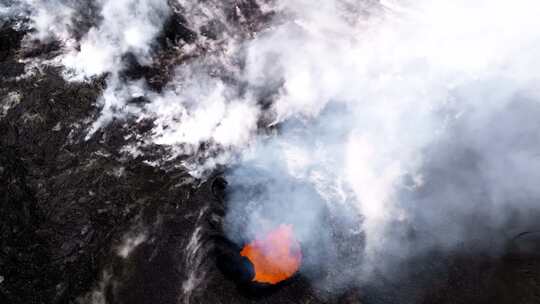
x=423, y=119
x=114, y=29
x=412, y=124
x=127, y=26
x=49, y=19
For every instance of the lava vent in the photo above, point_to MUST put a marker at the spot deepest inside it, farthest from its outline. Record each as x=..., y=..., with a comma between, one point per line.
x=275, y=256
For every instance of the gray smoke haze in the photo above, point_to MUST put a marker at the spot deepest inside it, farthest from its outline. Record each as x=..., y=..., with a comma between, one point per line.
x=424, y=120
x=390, y=117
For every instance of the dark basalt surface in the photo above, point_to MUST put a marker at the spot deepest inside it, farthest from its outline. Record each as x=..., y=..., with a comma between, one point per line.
x=67, y=204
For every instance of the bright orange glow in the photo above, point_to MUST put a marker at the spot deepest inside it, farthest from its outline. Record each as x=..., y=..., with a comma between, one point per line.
x=275, y=256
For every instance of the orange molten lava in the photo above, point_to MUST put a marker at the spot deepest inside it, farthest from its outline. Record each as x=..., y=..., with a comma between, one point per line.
x=275, y=256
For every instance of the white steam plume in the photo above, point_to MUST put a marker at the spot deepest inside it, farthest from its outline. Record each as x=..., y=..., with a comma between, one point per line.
x=49, y=19
x=126, y=26
x=369, y=110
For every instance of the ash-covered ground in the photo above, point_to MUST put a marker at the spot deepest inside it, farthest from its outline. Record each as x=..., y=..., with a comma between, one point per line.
x=87, y=218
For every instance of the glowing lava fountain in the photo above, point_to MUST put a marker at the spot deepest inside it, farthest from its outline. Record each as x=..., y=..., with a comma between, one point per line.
x=275, y=256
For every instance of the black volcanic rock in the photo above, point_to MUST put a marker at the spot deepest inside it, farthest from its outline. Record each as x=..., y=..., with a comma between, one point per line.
x=10, y=41
x=175, y=29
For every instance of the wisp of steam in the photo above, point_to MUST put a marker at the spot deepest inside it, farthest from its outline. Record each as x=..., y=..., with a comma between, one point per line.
x=413, y=123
